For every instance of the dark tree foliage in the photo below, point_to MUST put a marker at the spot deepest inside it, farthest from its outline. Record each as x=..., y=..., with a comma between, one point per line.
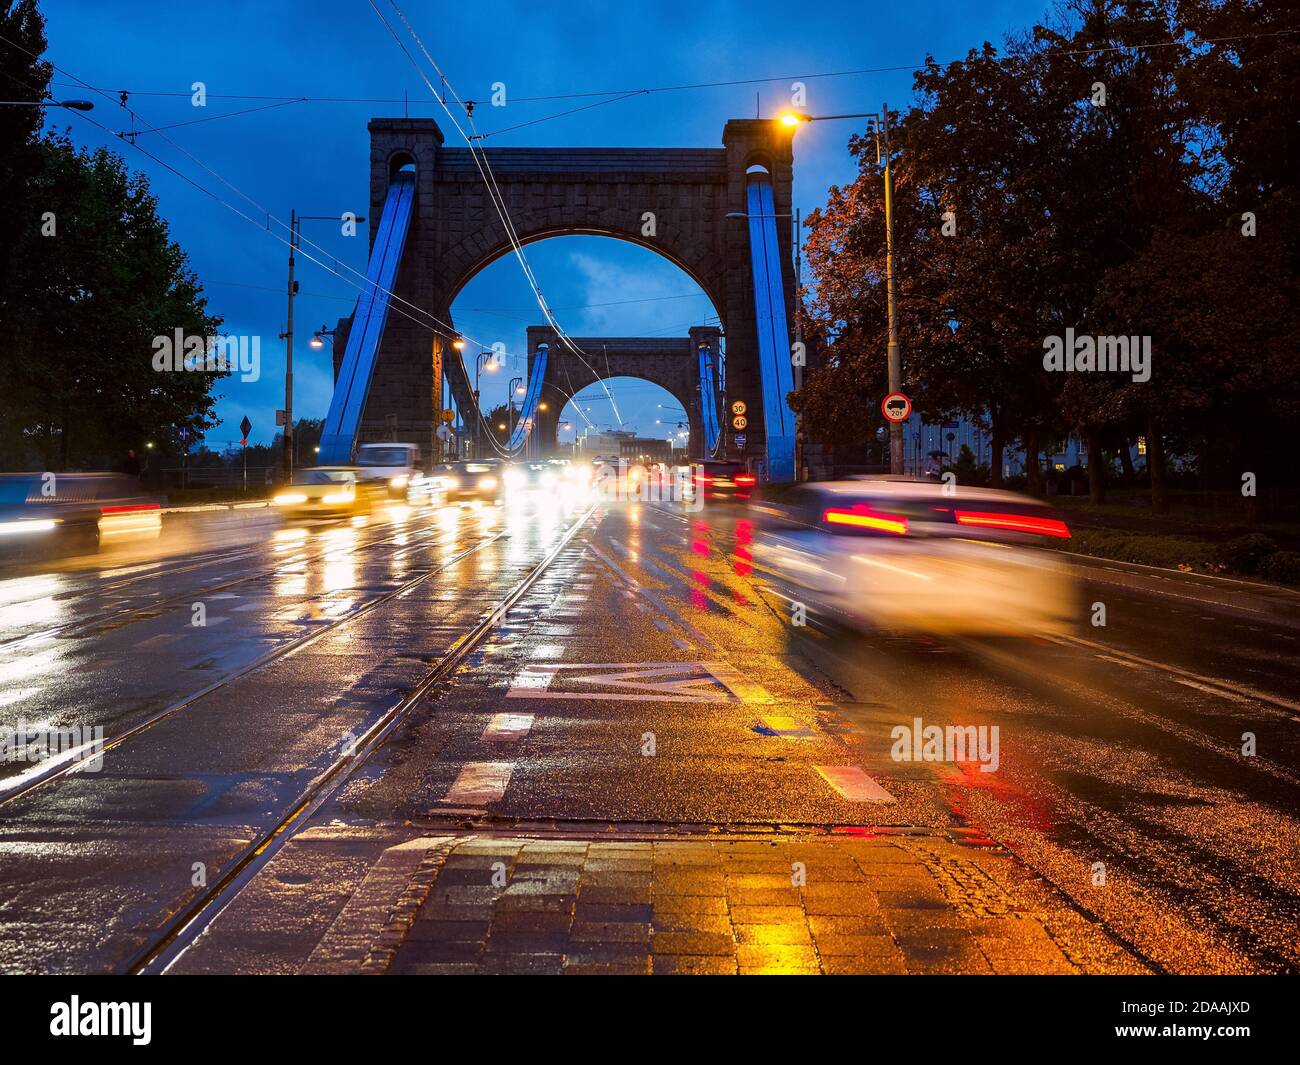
x=100, y=277
x=89, y=275
x=1094, y=185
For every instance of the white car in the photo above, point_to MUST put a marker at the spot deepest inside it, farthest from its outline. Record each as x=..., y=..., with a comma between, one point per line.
x=398, y=466
x=917, y=556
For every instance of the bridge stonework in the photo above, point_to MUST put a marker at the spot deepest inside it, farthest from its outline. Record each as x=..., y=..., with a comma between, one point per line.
x=670, y=362
x=547, y=192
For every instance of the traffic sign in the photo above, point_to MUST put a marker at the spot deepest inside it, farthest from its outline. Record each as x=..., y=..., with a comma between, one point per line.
x=443, y=433
x=245, y=427
x=280, y=417
x=448, y=415
x=740, y=439
x=739, y=407
x=896, y=407
x=739, y=421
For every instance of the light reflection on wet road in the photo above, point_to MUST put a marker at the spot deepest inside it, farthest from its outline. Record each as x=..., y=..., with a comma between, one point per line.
x=652, y=622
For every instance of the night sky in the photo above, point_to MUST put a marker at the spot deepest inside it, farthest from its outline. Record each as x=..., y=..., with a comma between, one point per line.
x=313, y=157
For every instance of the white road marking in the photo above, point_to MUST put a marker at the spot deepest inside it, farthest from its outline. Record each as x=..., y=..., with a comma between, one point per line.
x=1227, y=687
x=479, y=783
x=693, y=682
x=853, y=784
x=505, y=728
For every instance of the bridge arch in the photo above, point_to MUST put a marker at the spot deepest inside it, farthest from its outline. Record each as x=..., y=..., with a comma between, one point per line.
x=455, y=231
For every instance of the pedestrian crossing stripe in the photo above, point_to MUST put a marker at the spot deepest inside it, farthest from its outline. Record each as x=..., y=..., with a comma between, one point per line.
x=853, y=784
x=503, y=728
x=479, y=783
x=688, y=682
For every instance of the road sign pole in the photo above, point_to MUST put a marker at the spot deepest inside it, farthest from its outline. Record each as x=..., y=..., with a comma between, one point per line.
x=894, y=357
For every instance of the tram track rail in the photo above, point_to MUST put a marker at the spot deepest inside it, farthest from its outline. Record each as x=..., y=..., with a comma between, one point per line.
x=53, y=769
x=174, y=937
x=144, y=611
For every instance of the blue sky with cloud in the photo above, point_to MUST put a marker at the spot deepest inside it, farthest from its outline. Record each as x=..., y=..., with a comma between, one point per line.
x=313, y=157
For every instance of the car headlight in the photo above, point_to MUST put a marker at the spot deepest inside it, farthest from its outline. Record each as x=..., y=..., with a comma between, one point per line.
x=8, y=528
x=288, y=499
x=400, y=481
x=487, y=482
x=338, y=497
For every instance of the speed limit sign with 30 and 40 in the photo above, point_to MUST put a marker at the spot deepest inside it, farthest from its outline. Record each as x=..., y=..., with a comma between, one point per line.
x=739, y=422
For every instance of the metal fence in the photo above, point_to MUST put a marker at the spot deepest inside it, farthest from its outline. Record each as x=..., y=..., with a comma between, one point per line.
x=220, y=476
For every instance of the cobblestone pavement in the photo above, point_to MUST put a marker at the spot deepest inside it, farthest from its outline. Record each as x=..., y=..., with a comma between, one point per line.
x=893, y=904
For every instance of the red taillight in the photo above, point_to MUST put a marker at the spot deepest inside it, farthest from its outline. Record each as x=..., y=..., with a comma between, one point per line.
x=126, y=508
x=746, y=479
x=1014, y=523
x=865, y=518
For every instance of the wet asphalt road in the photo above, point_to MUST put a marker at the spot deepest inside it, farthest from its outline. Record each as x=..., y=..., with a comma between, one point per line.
x=649, y=676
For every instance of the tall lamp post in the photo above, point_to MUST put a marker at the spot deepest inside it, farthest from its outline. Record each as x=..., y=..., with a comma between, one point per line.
x=295, y=225
x=893, y=354
x=485, y=358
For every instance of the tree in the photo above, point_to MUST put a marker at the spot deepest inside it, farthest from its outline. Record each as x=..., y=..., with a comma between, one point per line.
x=1100, y=174
x=79, y=321
x=498, y=417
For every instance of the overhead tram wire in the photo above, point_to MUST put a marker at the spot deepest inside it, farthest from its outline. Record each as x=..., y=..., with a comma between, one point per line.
x=686, y=87
x=450, y=333
x=489, y=178
x=447, y=330
x=485, y=172
x=485, y=168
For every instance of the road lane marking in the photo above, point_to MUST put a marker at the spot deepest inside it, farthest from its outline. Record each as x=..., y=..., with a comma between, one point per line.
x=693, y=682
x=505, y=728
x=747, y=691
x=853, y=784
x=1226, y=688
x=479, y=783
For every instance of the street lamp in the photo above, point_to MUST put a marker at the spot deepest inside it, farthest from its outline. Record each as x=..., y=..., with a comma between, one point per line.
x=71, y=105
x=295, y=228
x=894, y=358
x=479, y=363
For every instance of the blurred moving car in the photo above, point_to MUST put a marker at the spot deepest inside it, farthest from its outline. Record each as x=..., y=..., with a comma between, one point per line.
x=724, y=481
x=397, y=467
x=67, y=512
x=325, y=491
x=917, y=556
x=536, y=474
x=481, y=480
